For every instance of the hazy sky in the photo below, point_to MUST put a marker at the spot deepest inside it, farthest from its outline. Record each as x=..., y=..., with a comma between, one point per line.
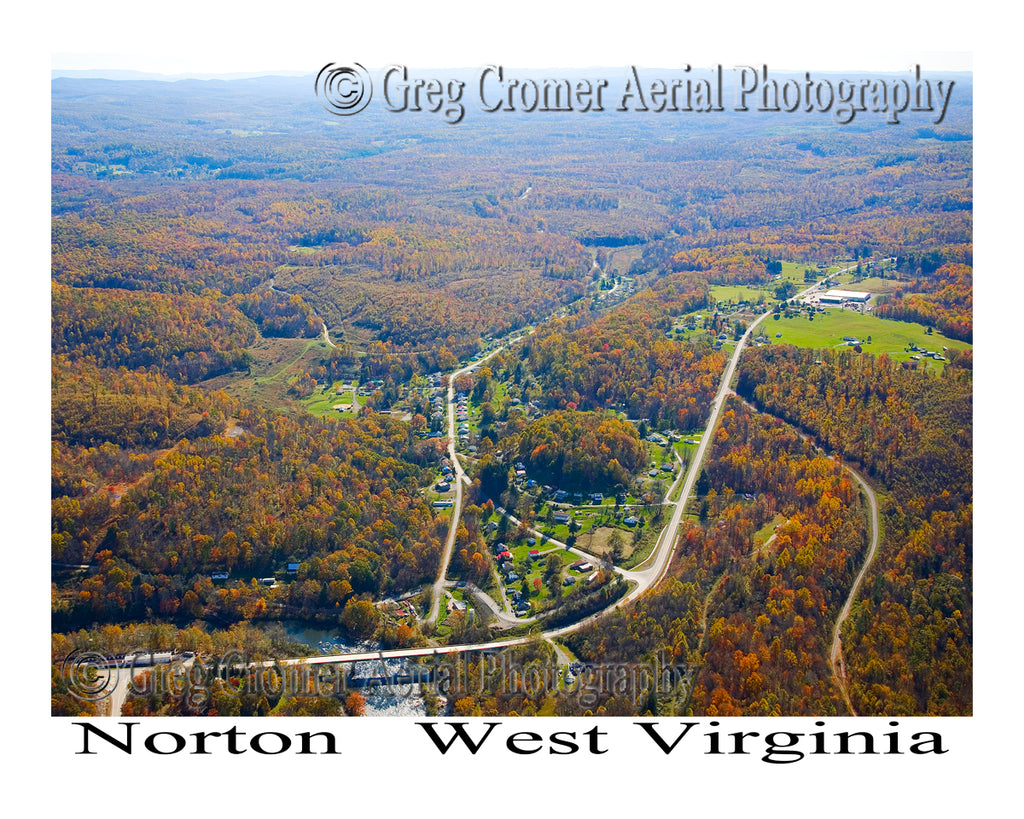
x=197, y=36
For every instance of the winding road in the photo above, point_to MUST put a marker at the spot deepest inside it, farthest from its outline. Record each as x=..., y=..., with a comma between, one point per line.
x=460, y=479
x=326, y=335
x=835, y=657
x=643, y=577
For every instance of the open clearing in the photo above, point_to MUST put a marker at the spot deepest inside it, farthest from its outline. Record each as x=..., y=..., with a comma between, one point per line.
x=275, y=360
x=743, y=292
x=887, y=336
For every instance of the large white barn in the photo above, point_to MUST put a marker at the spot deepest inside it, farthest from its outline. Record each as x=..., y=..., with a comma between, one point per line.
x=839, y=296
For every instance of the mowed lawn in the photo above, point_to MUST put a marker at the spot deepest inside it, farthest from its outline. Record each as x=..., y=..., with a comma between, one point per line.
x=743, y=292
x=887, y=336
x=791, y=271
x=873, y=284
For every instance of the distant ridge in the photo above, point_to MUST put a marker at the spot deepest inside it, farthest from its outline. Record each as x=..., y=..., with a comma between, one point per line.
x=460, y=72
x=122, y=74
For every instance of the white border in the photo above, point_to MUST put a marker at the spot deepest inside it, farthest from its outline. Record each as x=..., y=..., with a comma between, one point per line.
x=386, y=766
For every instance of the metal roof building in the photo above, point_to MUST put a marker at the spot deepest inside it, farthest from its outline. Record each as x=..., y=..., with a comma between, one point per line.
x=844, y=295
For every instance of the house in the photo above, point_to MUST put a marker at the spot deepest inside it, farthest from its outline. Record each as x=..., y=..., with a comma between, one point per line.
x=596, y=498
x=561, y=517
x=568, y=581
x=632, y=520
x=534, y=554
x=443, y=504
x=293, y=568
x=219, y=576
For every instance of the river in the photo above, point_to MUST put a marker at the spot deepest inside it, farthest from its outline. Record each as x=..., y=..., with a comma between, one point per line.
x=381, y=701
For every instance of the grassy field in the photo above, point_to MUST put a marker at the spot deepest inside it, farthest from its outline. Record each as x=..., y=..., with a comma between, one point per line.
x=791, y=271
x=275, y=360
x=322, y=403
x=887, y=336
x=872, y=284
x=620, y=259
x=743, y=292
x=765, y=532
x=794, y=272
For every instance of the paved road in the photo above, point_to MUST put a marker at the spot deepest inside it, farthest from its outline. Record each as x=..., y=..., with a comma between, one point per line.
x=505, y=619
x=658, y=563
x=651, y=571
x=643, y=579
x=460, y=479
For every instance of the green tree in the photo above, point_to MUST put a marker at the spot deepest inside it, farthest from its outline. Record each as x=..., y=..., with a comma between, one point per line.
x=617, y=543
x=360, y=617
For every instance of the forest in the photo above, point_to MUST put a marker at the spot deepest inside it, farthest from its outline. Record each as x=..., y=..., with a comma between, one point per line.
x=215, y=272
x=752, y=614
x=580, y=450
x=913, y=434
